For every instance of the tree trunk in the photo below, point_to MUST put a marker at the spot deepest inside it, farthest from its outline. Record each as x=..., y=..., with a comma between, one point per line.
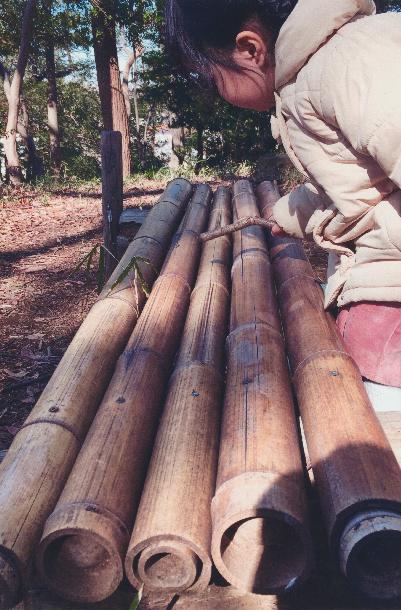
x=178, y=153
x=112, y=101
x=52, y=110
x=10, y=138
x=131, y=64
x=127, y=69
x=35, y=165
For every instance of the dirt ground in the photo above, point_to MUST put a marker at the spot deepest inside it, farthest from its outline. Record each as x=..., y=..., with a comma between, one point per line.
x=43, y=298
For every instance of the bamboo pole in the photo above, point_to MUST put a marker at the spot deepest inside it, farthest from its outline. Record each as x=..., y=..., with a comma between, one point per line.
x=85, y=539
x=36, y=467
x=260, y=540
x=357, y=476
x=170, y=545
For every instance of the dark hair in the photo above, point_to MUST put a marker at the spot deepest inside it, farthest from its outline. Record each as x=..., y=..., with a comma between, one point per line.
x=201, y=33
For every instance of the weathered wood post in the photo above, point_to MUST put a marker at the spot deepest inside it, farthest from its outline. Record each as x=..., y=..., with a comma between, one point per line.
x=357, y=475
x=112, y=195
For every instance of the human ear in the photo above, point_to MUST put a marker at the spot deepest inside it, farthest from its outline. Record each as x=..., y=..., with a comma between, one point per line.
x=251, y=48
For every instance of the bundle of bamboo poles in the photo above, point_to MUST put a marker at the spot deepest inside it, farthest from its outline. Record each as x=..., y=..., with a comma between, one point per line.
x=84, y=540
x=256, y=527
x=170, y=544
x=260, y=540
x=38, y=463
x=357, y=475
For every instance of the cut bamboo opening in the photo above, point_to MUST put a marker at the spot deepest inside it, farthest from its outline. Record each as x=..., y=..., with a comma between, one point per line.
x=356, y=473
x=36, y=467
x=260, y=540
x=170, y=544
x=85, y=538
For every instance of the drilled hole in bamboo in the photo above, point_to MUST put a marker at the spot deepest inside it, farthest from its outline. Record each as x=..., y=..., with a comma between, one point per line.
x=275, y=554
x=370, y=554
x=83, y=562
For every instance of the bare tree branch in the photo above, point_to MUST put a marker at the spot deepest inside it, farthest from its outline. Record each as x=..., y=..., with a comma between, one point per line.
x=240, y=224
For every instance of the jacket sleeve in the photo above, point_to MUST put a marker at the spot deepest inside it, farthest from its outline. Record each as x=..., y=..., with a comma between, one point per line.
x=294, y=211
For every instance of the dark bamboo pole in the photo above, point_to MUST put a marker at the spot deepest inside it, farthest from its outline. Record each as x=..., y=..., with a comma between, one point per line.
x=260, y=540
x=356, y=473
x=85, y=539
x=35, y=469
x=170, y=544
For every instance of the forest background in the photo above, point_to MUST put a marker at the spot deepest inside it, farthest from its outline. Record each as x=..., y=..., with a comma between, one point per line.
x=71, y=69
x=68, y=70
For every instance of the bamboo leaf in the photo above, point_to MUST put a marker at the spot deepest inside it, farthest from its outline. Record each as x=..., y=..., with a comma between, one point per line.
x=133, y=266
x=85, y=260
x=145, y=287
x=123, y=274
x=137, y=599
x=109, y=252
x=89, y=260
x=101, y=271
x=147, y=262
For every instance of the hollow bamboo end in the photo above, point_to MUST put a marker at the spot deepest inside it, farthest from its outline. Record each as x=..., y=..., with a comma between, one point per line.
x=167, y=565
x=11, y=585
x=82, y=562
x=370, y=553
x=256, y=548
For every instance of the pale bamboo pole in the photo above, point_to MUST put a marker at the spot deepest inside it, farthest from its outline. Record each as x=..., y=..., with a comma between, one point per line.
x=85, y=539
x=38, y=463
x=170, y=545
x=356, y=473
x=260, y=541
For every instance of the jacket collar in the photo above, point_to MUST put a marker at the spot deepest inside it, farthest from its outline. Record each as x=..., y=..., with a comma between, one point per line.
x=309, y=26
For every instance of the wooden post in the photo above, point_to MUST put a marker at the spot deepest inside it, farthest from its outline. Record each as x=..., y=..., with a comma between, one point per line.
x=35, y=469
x=112, y=195
x=85, y=539
x=356, y=473
x=170, y=544
x=261, y=541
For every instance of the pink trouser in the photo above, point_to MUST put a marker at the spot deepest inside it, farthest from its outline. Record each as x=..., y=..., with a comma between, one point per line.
x=372, y=334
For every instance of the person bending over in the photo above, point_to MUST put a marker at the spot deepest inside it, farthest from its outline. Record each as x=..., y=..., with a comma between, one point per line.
x=332, y=69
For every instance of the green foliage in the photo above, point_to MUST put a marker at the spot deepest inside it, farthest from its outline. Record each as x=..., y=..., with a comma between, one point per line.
x=136, y=601
x=98, y=251
x=218, y=138
x=80, y=120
